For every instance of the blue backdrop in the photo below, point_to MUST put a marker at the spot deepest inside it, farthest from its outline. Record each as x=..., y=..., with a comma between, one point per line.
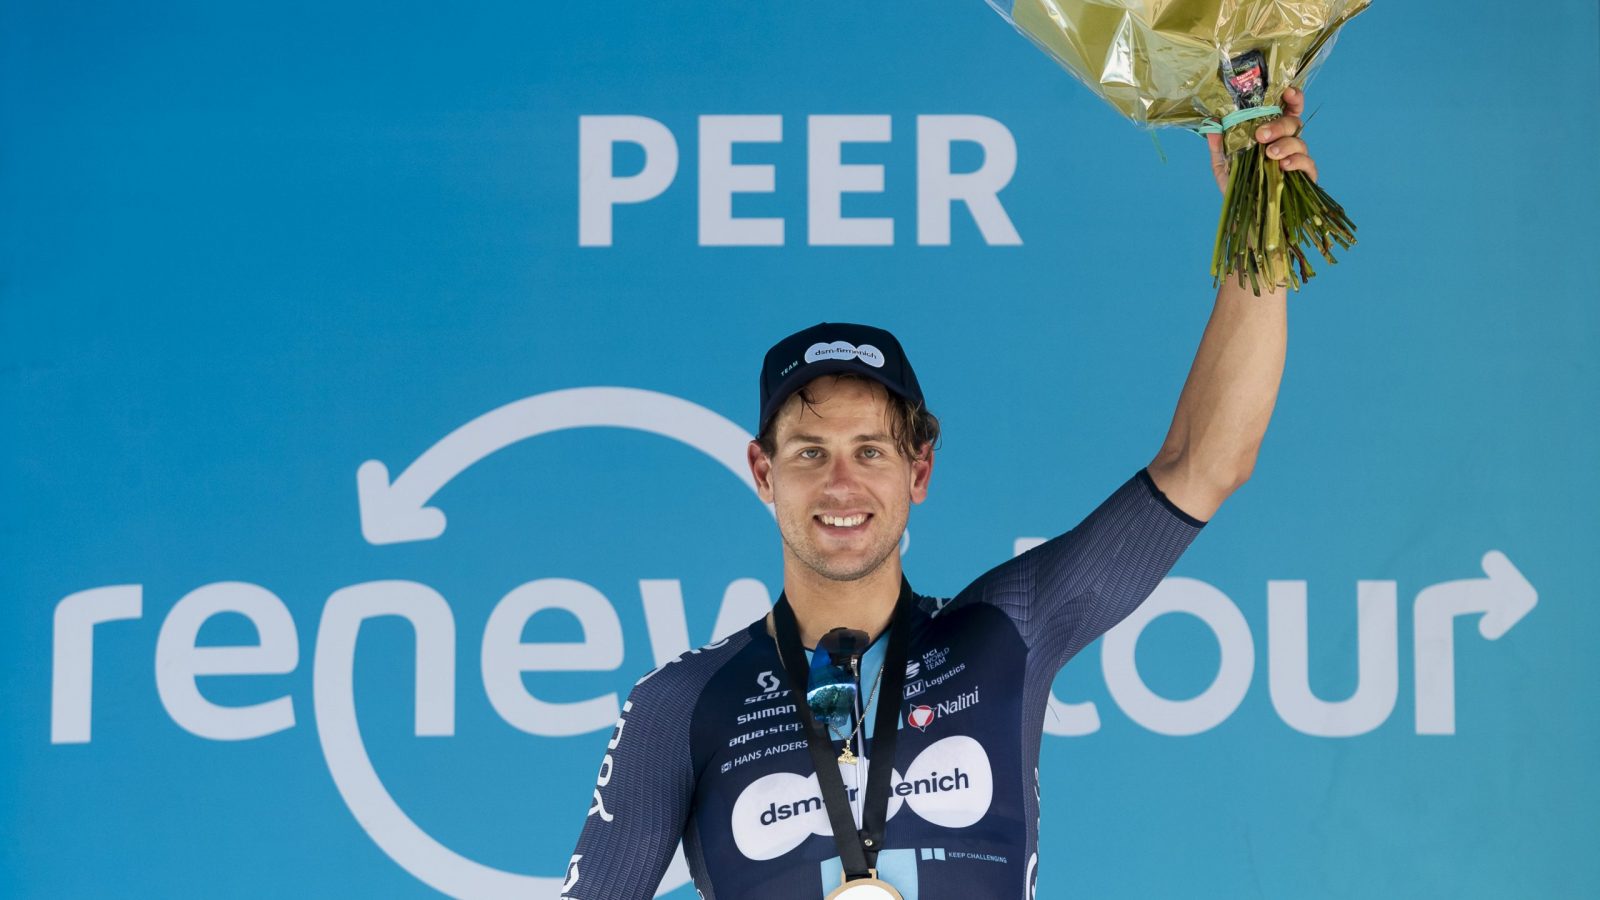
x=253, y=249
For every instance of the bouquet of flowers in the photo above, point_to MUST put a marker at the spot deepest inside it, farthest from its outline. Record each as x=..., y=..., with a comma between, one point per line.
x=1212, y=66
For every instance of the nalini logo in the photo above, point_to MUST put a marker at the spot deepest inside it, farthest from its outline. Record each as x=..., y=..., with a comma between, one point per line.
x=867, y=353
x=920, y=717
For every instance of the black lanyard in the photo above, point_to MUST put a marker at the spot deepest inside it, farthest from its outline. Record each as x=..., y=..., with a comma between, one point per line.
x=858, y=851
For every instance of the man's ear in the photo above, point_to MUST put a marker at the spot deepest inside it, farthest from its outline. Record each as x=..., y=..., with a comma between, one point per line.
x=761, y=468
x=921, y=474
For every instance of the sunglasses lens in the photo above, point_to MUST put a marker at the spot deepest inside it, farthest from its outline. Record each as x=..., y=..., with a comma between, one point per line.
x=832, y=693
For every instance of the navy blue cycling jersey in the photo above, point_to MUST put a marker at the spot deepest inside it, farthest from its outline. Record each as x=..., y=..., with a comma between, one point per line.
x=710, y=747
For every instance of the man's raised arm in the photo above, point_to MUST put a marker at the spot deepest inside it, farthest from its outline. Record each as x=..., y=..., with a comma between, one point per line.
x=1223, y=411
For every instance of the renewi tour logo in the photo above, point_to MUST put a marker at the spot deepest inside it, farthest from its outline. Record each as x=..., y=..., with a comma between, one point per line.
x=395, y=510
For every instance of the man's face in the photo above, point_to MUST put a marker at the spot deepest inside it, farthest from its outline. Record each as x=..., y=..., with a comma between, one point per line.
x=841, y=487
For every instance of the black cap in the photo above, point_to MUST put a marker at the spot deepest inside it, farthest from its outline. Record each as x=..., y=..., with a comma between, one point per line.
x=829, y=349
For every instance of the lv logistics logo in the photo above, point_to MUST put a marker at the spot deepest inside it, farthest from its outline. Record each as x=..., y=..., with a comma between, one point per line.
x=395, y=508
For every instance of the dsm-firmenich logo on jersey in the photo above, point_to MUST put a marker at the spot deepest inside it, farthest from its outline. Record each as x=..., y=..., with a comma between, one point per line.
x=949, y=784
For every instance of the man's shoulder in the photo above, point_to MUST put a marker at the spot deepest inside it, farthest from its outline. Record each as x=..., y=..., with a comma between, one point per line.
x=689, y=672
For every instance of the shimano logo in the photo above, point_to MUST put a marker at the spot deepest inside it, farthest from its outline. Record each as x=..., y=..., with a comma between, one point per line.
x=746, y=718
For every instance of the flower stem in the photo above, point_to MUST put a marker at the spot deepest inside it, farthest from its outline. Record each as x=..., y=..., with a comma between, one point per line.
x=1267, y=216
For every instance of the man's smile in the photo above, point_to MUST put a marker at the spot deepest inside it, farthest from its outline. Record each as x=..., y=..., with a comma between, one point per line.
x=843, y=523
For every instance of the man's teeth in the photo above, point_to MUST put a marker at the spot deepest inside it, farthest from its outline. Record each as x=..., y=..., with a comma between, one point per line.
x=844, y=521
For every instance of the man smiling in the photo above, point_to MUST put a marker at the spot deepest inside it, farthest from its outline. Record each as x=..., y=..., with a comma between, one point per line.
x=864, y=741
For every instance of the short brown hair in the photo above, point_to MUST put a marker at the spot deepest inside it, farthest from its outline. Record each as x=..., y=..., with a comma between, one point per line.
x=911, y=425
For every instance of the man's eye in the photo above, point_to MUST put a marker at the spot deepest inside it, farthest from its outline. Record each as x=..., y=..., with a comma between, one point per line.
x=810, y=453
x=871, y=452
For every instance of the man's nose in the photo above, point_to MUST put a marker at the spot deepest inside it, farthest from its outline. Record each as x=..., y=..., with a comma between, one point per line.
x=841, y=475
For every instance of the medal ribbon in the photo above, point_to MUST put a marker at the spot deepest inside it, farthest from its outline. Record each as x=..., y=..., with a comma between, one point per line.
x=858, y=851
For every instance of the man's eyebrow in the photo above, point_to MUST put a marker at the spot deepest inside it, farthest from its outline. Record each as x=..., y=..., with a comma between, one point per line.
x=859, y=439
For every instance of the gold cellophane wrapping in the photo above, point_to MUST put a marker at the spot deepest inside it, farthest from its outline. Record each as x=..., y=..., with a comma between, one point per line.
x=1158, y=61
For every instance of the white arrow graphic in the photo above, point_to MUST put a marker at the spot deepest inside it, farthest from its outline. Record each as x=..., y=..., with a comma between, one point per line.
x=397, y=512
x=1504, y=597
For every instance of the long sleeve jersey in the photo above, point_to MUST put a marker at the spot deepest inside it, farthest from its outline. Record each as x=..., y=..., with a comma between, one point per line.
x=710, y=747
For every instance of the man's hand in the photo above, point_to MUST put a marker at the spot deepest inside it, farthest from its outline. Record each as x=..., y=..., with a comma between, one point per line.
x=1282, y=137
x=1227, y=401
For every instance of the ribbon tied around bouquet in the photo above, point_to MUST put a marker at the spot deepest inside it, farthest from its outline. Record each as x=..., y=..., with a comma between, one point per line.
x=1213, y=126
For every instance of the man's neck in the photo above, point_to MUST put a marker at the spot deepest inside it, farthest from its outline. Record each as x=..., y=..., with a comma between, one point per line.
x=822, y=604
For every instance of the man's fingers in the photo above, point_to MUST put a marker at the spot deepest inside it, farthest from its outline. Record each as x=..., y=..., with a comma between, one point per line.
x=1294, y=101
x=1219, y=160
x=1284, y=148
x=1288, y=126
x=1300, y=162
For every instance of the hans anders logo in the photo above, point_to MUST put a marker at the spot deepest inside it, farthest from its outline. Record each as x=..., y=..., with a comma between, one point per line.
x=867, y=353
x=949, y=784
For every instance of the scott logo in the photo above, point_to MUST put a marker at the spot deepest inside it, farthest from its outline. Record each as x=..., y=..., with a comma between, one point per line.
x=767, y=681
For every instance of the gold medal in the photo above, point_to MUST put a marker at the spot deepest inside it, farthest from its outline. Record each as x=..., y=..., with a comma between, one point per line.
x=865, y=889
x=847, y=758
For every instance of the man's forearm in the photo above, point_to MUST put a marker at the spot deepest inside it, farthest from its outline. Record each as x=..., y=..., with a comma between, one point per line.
x=1226, y=402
